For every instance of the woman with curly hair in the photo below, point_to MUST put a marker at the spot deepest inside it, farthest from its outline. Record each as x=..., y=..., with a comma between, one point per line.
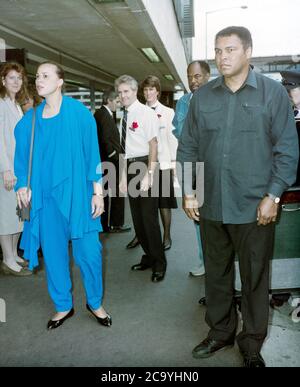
x=13, y=82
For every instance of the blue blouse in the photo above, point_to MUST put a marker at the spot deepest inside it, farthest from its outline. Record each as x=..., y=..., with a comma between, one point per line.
x=65, y=164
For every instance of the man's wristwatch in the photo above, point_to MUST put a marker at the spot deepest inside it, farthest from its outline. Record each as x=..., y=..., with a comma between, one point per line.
x=275, y=199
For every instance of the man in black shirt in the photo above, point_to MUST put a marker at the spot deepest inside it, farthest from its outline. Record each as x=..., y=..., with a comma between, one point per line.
x=241, y=126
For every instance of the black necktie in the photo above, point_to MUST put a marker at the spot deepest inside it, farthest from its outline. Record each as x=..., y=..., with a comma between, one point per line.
x=153, y=108
x=296, y=112
x=124, y=128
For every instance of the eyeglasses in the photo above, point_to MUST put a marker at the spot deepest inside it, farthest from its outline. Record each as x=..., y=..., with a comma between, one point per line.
x=287, y=83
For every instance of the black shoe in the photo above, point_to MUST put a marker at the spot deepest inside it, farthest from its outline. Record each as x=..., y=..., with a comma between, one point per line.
x=106, y=321
x=253, y=360
x=140, y=267
x=132, y=244
x=55, y=324
x=209, y=346
x=167, y=244
x=158, y=276
x=115, y=229
x=278, y=300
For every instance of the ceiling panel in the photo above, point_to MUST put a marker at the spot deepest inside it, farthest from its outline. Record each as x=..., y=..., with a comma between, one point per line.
x=105, y=36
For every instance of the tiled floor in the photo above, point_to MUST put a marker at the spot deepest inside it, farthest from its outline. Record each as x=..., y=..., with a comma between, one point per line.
x=153, y=324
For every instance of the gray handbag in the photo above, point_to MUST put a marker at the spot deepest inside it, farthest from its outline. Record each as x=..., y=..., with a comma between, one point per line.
x=24, y=212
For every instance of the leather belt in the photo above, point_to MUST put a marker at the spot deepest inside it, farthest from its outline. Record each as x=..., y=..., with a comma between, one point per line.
x=142, y=158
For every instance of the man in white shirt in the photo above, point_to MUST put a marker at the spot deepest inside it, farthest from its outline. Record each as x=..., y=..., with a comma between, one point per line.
x=139, y=132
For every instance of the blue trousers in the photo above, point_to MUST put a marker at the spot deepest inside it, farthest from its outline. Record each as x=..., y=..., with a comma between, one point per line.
x=55, y=236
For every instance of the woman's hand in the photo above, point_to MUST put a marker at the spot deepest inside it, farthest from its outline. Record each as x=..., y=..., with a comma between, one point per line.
x=23, y=197
x=9, y=180
x=97, y=206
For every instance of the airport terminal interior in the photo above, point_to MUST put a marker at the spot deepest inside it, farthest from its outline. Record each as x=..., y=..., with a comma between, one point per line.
x=153, y=324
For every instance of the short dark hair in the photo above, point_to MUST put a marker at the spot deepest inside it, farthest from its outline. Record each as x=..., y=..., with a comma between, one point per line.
x=59, y=70
x=109, y=95
x=204, y=65
x=242, y=32
x=151, y=81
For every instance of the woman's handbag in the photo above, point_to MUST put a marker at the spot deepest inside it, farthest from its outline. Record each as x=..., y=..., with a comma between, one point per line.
x=24, y=212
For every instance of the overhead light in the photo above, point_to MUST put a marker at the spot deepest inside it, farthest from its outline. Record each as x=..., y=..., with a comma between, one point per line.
x=178, y=87
x=151, y=55
x=108, y=1
x=169, y=77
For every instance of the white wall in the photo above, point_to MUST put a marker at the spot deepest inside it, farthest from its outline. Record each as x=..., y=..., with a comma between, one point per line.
x=164, y=19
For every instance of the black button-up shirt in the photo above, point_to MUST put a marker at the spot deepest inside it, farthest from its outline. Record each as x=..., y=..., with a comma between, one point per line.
x=248, y=142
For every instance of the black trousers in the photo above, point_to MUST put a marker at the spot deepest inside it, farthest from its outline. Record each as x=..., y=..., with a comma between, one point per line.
x=254, y=247
x=144, y=211
x=113, y=215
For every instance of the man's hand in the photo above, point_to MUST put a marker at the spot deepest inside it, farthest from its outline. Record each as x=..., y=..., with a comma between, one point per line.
x=9, y=180
x=23, y=197
x=267, y=212
x=147, y=182
x=191, y=207
x=123, y=185
x=97, y=206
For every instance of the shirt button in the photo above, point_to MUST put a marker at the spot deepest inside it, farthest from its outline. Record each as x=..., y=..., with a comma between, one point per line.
x=225, y=156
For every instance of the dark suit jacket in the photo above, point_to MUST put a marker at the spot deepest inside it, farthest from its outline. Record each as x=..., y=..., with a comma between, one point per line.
x=108, y=135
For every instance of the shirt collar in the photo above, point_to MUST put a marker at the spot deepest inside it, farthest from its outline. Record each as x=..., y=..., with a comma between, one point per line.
x=250, y=81
x=133, y=106
x=155, y=106
x=108, y=109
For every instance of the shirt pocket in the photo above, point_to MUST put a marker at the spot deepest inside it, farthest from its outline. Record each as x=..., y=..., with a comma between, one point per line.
x=251, y=117
x=211, y=118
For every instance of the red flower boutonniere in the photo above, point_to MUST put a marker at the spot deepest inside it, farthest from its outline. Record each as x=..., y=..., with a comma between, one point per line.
x=134, y=126
x=159, y=115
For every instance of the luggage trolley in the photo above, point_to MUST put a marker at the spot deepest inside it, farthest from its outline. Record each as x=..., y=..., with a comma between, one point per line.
x=285, y=265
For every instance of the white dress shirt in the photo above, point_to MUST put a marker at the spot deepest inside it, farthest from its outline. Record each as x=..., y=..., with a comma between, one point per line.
x=142, y=127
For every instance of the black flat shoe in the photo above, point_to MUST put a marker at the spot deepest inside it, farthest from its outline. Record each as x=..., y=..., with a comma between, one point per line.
x=55, y=324
x=158, y=276
x=167, y=244
x=132, y=244
x=140, y=267
x=209, y=346
x=254, y=360
x=106, y=321
x=117, y=229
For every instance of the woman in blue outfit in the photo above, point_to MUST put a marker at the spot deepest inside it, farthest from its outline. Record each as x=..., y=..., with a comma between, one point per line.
x=66, y=194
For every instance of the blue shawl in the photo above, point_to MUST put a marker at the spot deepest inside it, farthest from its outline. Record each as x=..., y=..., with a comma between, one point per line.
x=76, y=165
